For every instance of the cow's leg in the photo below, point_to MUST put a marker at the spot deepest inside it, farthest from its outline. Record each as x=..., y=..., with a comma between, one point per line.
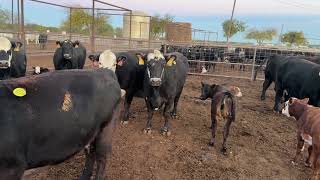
x=279, y=94
x=316, y=164
x=300, y=144
x=11, y=168
x=90, y=159
x=148, y=128
x=267, y=82
x=127, y=104
x=166, y=114
x=103, y=145
x=310, y=157
x=176, y=100
x=226, y=129
x=213, y=125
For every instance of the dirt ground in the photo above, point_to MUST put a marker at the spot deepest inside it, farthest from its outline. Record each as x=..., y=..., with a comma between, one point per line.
x=261, y=143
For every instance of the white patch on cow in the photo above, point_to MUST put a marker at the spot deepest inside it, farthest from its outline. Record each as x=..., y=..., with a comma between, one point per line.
x=239, y=93
x=156, y=55
x=123, y=93
x=307, y=138
x=319, y=73
x=285, y=110
x=5, y=44
x=204, y=70
x=108, y=60
x=67, y=102
x=37, y=70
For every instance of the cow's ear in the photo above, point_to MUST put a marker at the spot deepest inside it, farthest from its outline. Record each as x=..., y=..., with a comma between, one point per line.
x=291, y=100
x=76, y=44
x=305, y=100
x=202, y=84
x=33, y=67
x=17, y=47
x=141, y=58
x=213, y=86
x=91, y=57
x=58, y=43
x=171, y=60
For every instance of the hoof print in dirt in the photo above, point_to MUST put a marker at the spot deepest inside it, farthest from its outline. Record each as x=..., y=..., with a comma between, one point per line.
x=147, y=131
x=211, y=144
x=224, y=151
x=124, y=122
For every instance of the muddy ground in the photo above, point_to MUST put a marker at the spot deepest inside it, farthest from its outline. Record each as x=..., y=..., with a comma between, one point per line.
x=261, y=143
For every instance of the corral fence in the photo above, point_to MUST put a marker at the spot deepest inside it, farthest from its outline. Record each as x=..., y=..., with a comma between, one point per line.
x=236, y=61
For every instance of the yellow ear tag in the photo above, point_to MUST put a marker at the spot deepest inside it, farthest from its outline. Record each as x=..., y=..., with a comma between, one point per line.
x=170, y=62
x=20, y=92
x=16, y=49
x=141, y=61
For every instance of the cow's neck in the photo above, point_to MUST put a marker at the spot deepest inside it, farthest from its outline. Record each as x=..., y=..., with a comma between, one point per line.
x=299, y=110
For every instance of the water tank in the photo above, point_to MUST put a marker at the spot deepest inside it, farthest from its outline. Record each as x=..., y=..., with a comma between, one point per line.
x=139, y=25
x=179, y=32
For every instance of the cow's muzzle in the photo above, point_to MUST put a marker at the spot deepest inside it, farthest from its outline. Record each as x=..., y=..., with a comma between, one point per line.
x=155, y=82
x=4, y=64
x=67, y=56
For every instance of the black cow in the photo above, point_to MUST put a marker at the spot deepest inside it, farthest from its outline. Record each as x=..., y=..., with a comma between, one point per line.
x=43, y=39
x=69, y=55
x=81, y=108
x=298, y=78
x=13, y=60
x=130, y=70
x=163, y=84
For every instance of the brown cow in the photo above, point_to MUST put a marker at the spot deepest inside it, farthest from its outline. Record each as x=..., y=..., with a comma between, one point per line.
x=222, y=105
x=308, y=122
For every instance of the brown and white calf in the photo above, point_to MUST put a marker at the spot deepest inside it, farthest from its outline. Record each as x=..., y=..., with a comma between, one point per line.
x=308, y=133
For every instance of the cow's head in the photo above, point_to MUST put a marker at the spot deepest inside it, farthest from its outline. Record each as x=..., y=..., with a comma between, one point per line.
x=206, y=90
x=39, y=70
x=107, y=59
x=5, y=52
x=155, y=68
x=67, y=48
x=294, y=107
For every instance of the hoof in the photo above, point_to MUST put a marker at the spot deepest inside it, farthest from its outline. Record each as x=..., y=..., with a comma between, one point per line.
x=124, y=122
x=211, y=144
x=307, y=164
x=165, y=132
x=224, y=151
x=174, y=115
x=147, y=131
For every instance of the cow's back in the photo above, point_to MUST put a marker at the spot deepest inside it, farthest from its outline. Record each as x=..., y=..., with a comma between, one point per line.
x=59, y=115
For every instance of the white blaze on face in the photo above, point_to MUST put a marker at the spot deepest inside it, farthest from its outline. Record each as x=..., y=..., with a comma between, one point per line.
x=108, y=60
x=37, y=70
x=285, y=110
x=204, y=70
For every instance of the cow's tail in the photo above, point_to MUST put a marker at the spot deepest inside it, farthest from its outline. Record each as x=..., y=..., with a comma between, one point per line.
x=258, y=68
x=230, y=106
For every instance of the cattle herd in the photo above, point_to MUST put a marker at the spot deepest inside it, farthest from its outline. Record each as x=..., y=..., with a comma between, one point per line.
x=82, y=105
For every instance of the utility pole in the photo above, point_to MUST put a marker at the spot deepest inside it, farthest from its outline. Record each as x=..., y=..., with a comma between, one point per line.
x=280, y=33
x=231, y=19
x=93, y=28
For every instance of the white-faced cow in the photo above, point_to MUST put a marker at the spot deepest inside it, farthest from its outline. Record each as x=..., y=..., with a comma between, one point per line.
x=163, y=84
x=69, y=55
x=78, y=112
x=13, y=61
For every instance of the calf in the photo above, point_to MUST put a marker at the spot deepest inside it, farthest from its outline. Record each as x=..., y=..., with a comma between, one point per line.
x=78, y=112
x=163, y=83
x=308, y=123
x=222, y=105
x=39, y=70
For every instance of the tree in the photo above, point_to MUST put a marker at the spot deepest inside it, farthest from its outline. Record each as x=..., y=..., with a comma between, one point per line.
x=81, y=21
x=261, y=35
x=235, y=25
x=158, y=25
x=118, y=32
x=294, y=38
x=4, y=18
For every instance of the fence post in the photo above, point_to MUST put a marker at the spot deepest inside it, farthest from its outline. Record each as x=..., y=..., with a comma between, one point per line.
x=254, y=63
x=149, y=43
x=130, y=30
x=70, y=18
x=22, y=25
x=93, y=28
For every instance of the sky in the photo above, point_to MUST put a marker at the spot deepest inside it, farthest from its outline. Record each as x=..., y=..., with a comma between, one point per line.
x=295, y=15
